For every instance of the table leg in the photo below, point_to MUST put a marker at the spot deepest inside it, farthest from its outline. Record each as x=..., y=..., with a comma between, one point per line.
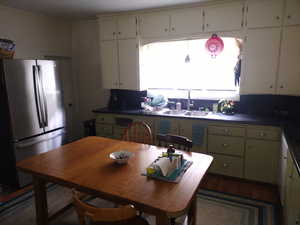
x=41, y=205
x=162, y=219
x=192, y=213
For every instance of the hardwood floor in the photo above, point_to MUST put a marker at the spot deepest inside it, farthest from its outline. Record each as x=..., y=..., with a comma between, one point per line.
x=258, y=191
x=249, y=189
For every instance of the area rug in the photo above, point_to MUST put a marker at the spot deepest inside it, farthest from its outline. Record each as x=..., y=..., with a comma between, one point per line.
x=214, y=208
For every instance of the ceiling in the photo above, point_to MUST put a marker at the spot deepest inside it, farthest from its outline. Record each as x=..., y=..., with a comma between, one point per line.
x=89, y=8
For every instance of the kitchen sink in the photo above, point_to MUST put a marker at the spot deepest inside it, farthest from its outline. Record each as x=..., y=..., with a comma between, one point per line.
x=175, y=112
x=195, y=113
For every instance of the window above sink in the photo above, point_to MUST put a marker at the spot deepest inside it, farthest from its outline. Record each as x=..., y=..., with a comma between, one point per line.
x=171, y=68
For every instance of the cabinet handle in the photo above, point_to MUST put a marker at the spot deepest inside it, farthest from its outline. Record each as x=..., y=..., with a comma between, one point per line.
x=121, y=83
x=225, y=165
x=207, y=25
x=277, y=17
x=281, y=86
x=225, y=145
x=119, y=32
x=173, y=29
x=114, y=33
x=271, y=86
x=262, y=134
x=166, y=29
x=289, y=16
x=227, y=131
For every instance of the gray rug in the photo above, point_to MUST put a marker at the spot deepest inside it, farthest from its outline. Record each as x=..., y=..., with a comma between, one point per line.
x=213, y=209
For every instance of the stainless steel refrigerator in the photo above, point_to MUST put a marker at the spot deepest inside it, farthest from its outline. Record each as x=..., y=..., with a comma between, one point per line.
x=31, y=112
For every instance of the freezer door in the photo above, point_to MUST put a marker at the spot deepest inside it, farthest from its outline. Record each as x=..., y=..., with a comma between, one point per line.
x=22, y=98
x=34, y=146
x=52, y=94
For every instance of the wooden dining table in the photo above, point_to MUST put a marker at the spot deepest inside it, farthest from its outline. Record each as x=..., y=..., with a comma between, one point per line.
x=86, y=166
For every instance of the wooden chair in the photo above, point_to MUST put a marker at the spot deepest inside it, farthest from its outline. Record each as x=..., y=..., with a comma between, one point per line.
x=178, y=142
x=125, y=215
x=138, y=132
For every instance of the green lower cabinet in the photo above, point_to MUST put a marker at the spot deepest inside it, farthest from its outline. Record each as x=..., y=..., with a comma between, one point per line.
x=119, y=132
x=261, y=160
x=196, y=131
x=227, y=165
x=104, y=130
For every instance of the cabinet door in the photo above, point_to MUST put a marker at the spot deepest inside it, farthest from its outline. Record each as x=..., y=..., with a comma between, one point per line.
x=292, y=14
x=259, y=64
x=264, y=13
x=292, y=206
x=126, y=27
x=261, y=161
x=189, y=21
x=224, y=17
x=128, y=64
x=196, y=131
x=167, y=126
x=154, y=25
x=108, y=28
x=109, y=64
x=289, y=67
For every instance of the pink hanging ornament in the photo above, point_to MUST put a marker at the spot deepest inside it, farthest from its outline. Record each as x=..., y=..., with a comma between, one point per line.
x=214, y=45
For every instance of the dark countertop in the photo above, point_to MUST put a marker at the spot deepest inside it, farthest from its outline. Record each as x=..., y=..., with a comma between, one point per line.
x=290, y=129
x=236, y=118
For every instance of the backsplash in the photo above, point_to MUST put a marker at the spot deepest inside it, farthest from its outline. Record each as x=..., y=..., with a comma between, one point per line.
x=286, y=107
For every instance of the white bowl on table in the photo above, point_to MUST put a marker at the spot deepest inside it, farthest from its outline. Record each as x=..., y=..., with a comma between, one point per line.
x=121, y=157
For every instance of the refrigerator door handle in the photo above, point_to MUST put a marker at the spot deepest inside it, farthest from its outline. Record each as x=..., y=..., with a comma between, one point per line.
x=37, y=94
x=26, y=144
x=45, y=110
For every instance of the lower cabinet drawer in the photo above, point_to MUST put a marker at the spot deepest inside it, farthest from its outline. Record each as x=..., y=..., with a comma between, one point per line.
x=226, y=145
x=105, y=130
x=227, y=165
x=264, y=134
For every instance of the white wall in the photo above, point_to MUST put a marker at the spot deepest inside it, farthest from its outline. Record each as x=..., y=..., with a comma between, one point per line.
x=35, y=35
x=86, y=66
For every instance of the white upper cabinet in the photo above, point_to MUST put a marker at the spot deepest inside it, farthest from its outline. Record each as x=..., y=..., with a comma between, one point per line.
x=127, y=27
x=109, y=64
x=260, y=60
x=129, y=64
x=225, y=17
x=119, y=64
x=292, y=14
x=154, y=25
x=108, y=28
x=264, y=13
x=289, y=67
x=121, y=27
x=188, y=21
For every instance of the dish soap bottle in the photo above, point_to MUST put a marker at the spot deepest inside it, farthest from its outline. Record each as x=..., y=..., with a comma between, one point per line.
x=178, y=106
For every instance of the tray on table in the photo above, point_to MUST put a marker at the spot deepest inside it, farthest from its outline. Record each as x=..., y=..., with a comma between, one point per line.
x=175, y=176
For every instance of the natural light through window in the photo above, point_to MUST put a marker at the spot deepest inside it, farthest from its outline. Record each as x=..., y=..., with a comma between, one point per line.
x=164, y=65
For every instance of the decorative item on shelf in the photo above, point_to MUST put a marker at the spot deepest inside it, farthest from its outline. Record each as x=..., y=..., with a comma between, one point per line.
x=214, y=45
x=226, y=107
x=7, y=49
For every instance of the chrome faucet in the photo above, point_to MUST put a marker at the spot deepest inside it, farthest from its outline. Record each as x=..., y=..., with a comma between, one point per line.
x=189, y=104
